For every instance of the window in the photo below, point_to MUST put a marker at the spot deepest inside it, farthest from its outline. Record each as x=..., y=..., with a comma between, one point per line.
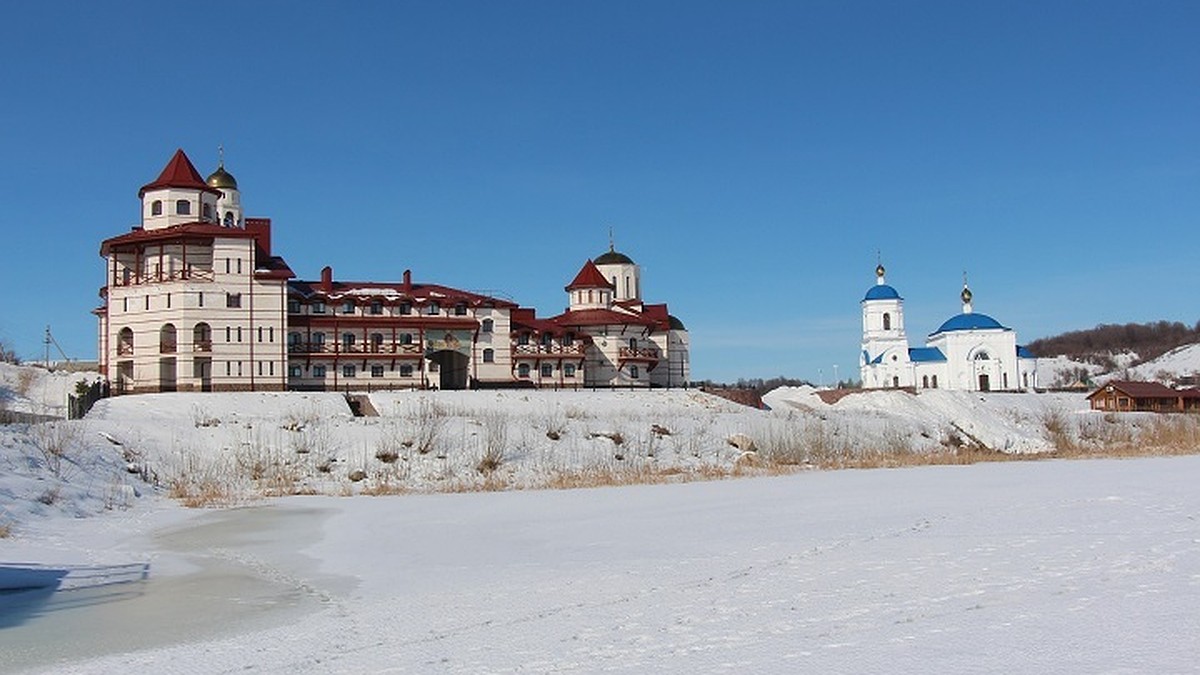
x=489, y=355
x=460, y=309
x=487, y=326
x=547, y=370
x=925, y=381
x=183, y=207
x=125, y=342
x=406, y=339
x=347, y=371
x=233, y=300
x=228, y=334
x=229, y=219
x=293, y=340
x=156, y=207
x=227, y=266
x=568, y=339
x=432, y=309
x=376, y=341
x=547, y=339
x=523, y=339
x=376, y=371
x=633, y=344
x=318, y=339
x=239, y=265
x=348, y=307
x=887, y=321
x=633, y=372
x=523, y=371
x=207, y=211
x=239, y=333
x=270, y=334
x=896, y=382
x=202, y=337
x=318, y=371
x=318, y=307
x=982, y=356
x=293, y=306
x=260, y=333
x=293, y=371
x=406, y=308
x=376, y=307
x=406, y=371
x=569, y=370
x=200, y=298
x=347, y=341
x=933, y=382
x=168, y=301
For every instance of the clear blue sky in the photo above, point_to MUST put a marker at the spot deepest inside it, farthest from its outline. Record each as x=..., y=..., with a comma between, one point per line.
x=752, y=156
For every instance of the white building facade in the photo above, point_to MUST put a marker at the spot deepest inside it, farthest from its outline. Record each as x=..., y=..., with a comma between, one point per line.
x=194, y=300
x=969, y=351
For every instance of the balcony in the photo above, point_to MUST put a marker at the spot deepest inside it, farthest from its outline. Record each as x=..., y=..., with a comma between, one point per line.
x=202, y=346
x=394, y=348
x=638, y=354
x=166, y=347
x=548, y=350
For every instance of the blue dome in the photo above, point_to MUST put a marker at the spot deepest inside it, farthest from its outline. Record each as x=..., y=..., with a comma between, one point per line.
x=882, y=292
x=972, y=321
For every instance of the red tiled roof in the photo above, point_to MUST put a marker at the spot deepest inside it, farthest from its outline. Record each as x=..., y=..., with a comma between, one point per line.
x=443, y=295
x=589, y=277
x=659, y=314
x=200, y=230
x=601, y=317
x=178, y=173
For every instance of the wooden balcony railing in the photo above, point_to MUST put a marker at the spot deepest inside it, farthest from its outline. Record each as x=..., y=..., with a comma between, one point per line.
x=639, y=354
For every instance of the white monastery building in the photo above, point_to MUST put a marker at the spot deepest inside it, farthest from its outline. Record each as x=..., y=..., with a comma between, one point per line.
x=969, y=351
x=195, y=300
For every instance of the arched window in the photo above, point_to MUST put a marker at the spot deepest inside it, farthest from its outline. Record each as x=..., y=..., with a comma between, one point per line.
x=406, y=339
x=925, y=381
x=547, y=339
x=896, y=382
x=633, y=372
x=376, y=341
x=206, y=209
x=633, y=344
x=229, y=219
x=934, y=381
x=125, y=342
x=489, y=355
x=887, y=321
x=294, y=341
x=183, y=207
x=166, y=339
x=982, y=356
x=202, y=337
x=487, y=325
x=156, y=207
x=347, y=341
x=523, y=371
x=318, y=340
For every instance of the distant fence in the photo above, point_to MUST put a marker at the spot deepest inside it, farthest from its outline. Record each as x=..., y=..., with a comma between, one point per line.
x=78, y=405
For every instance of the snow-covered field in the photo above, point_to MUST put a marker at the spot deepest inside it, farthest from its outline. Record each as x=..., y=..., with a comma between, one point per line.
x=1064, y=567
x=1077, y=566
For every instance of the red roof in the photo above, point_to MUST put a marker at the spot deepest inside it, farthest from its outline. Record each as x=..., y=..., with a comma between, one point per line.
x=601, y=317
x=443, y=295
x=590, y=277
x=185, y=230
x=179, y=173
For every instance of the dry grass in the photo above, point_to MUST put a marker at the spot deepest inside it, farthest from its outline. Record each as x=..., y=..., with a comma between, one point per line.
x=57, y=442
x=6, y=530
x=204, y=492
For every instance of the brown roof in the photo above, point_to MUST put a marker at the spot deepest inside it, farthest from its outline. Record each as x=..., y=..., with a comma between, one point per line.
x=601, y=317
x=1138, y=389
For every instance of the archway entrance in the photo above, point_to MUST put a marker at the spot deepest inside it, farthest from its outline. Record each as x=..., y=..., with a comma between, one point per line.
x=985, y=383
x=451, y=368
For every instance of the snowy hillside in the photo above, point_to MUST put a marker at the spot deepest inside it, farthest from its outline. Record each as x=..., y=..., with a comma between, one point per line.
x=1170, y=367
x=33, y=389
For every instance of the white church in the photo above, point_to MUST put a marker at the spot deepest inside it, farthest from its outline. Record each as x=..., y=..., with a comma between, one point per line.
x=968, y=352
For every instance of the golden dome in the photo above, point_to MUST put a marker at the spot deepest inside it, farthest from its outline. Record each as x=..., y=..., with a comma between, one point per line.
x=879, y=271
x=221, y=179
x=966, y=295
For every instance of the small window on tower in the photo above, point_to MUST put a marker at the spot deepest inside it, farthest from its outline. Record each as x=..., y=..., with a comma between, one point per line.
x=156, y=207
x=229, y=219
x=183, y=207
x=207, y=211
x=887, y=321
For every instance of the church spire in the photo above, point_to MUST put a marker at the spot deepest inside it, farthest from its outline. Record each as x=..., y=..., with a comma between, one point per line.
x=966, y=295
